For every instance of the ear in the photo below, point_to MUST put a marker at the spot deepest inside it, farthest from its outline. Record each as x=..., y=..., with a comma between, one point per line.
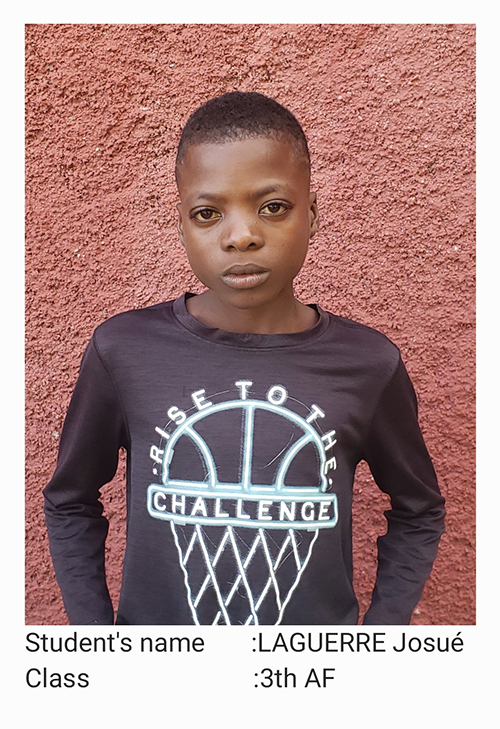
x=179, y=224
x=313, y=215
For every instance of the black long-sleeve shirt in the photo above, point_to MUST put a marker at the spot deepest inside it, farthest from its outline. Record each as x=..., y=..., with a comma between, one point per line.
x=241, y=453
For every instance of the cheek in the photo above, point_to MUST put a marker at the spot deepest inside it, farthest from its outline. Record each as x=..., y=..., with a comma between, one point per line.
x=298, y=243
x=298, y=256
x=200, y=256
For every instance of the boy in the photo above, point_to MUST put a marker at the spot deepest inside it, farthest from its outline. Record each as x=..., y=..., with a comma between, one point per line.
x=244, y=414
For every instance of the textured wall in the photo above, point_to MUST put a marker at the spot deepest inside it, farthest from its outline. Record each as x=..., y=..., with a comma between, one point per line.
x=389, y=114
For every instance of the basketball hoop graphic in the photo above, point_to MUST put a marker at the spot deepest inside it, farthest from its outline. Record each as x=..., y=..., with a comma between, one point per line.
x=243, y=547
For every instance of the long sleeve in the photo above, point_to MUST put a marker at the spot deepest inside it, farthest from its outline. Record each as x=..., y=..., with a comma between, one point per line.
x=93, y=432
x=206, y=456
x=401, y=466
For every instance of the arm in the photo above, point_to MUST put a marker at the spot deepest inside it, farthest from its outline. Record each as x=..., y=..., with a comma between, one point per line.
x=93, y=432
x=401, y=466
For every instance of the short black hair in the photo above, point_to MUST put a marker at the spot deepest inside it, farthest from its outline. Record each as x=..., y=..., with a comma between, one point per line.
x=241, y=115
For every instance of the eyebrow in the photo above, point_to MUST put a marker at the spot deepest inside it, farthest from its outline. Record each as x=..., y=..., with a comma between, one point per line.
x=277, y=187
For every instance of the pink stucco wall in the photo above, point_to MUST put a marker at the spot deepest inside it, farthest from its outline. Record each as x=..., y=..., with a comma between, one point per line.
x=389, y=114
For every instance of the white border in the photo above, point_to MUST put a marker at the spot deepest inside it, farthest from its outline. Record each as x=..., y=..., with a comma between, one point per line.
x=415, y=690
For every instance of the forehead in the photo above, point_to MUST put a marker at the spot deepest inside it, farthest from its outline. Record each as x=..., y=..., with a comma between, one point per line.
x=232, y=165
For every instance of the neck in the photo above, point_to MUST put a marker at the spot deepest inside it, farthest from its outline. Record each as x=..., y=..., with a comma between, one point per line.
x=282, y=317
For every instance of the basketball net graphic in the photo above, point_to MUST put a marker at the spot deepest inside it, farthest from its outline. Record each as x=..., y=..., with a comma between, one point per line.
x=261, y=536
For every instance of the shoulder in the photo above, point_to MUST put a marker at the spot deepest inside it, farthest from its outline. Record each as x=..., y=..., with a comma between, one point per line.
x=357, y=335
x=370, y=357
x=360, y=350
x=132, y=328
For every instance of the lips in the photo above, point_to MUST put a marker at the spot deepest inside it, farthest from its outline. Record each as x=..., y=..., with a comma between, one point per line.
x=245, y=276
x=242, y=269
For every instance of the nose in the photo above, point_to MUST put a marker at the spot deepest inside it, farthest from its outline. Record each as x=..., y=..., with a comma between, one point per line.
x=241, y=233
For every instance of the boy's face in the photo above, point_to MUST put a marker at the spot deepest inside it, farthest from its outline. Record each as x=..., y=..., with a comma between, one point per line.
x=245, y=218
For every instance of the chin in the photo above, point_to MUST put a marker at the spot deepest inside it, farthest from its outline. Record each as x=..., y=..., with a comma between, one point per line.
x=247, y=301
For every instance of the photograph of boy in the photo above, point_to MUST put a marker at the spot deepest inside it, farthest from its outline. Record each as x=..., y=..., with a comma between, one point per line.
x=244, y=411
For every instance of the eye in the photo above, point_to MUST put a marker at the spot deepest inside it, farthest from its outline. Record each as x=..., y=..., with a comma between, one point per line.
x=204, y=215
x=274, y=208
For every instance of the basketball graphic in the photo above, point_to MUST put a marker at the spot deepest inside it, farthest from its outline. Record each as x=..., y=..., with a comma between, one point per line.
x=244, y=525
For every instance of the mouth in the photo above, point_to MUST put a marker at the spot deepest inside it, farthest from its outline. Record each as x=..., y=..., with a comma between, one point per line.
x=245, y=276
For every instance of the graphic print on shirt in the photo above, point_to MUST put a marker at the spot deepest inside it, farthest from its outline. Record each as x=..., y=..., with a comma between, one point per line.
x=247, y=513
